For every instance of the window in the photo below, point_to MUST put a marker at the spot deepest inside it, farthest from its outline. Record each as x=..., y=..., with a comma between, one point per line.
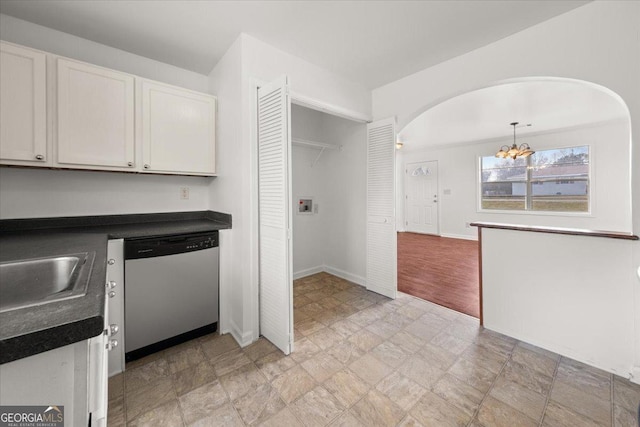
x=550, y=180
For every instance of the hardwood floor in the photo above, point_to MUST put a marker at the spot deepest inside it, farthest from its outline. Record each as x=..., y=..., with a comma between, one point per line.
x=440, y=270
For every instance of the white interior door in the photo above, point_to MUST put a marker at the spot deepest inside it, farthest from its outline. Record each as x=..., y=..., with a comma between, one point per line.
x=381, y=225
x=274, y=198
x=421, y=197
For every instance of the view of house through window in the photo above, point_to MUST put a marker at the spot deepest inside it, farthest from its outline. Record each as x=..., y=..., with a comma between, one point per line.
x=550, y=180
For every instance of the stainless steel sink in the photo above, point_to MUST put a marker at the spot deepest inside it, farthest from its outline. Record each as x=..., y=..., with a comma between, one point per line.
x=30, y=282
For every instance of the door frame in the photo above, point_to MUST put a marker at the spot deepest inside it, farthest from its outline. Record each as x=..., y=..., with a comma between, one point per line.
x=405, y=184
x=253, y=315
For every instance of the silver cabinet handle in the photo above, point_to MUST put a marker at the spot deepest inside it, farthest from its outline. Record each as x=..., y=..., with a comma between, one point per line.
x=147, y=166
x=130, y=164
x=114, y=329
x=111, y=344
x=39, y=157
x=112, y=284
x=112, y=294
x=111, y=261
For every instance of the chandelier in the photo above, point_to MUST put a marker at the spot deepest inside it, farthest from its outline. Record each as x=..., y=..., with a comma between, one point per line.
x=514, y=151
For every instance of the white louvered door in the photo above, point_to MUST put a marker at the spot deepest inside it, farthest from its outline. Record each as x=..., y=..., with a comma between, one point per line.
x=274, y=164
x=381, y=224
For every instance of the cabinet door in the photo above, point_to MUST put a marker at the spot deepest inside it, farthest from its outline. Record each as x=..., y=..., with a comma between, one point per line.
x=178, y=130
x=23, y=109
x=95, y=116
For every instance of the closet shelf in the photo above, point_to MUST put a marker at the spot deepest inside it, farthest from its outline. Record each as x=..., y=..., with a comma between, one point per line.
x=313, y=144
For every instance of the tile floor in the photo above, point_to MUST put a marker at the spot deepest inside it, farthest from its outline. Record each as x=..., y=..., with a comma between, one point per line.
x=364, y=360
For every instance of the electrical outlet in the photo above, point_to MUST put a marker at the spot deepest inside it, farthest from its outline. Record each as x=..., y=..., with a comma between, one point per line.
x=184, y=193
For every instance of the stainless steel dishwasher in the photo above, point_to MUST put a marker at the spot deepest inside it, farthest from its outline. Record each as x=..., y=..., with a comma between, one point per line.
x=170, y=291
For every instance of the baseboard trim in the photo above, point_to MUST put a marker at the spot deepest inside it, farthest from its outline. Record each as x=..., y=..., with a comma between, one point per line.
x=359, y=280
x=243, y=339
x=459, y=236
x=622, y=371
x=308, y=272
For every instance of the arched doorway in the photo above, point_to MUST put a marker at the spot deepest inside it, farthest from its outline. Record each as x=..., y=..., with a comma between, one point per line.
x=461, y=131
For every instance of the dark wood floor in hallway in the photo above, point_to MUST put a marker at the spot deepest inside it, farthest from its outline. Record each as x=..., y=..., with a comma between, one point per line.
x=440, y=270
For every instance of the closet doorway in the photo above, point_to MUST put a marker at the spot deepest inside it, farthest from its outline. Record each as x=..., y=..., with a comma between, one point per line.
x=328, y=176
x=353, y=228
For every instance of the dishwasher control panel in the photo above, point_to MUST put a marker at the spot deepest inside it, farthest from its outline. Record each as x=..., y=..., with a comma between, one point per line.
x=169, y=245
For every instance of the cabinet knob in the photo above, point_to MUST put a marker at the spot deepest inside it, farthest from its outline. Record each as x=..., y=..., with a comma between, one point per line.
x=112, y=344
x=112, y=284
x=111, y=261
x=147, y=166
x=114, y=329
x=130, y=164
x=112, y=294
x=39, y=157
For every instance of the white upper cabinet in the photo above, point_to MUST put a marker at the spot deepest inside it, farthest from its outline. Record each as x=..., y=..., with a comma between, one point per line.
x=177, y=129
x=23, y=106
x=61, y=113
x=95, y=111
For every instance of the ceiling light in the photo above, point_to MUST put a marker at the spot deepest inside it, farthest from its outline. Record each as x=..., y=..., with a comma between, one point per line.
x=514, y=151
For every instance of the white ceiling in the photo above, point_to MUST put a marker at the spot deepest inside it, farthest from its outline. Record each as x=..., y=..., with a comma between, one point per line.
x=486, y=113
x=372, y=42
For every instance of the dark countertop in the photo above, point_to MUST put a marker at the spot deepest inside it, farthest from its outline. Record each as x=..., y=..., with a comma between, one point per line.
x=32, y=330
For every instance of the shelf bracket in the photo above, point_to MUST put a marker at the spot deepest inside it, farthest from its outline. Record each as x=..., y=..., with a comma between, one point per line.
x=318, y=156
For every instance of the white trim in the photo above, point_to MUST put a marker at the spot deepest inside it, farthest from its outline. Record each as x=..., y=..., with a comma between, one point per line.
x=308, y=272
x=459, y=236
x=626, y=372
x=243, y=340
x=254, y=234
x=314, y=104
x=358, y=280
x=354, y=278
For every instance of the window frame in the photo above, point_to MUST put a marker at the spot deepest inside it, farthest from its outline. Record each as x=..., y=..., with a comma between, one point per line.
x=529, y=184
